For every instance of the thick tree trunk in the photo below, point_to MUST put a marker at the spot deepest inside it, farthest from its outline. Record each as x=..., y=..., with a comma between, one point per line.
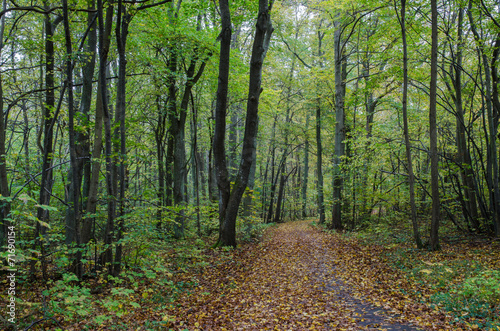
x=219, y=150
x=232, y=198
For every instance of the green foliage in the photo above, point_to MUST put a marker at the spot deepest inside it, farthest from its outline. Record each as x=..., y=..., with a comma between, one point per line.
x=251, y=228
x=66, y=299
x=477, y=297
x=485, y=287
x=119, y=302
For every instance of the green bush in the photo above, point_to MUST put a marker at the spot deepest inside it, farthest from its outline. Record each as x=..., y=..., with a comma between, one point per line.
x=484, y=288
x=69, y=300
x=476, y=297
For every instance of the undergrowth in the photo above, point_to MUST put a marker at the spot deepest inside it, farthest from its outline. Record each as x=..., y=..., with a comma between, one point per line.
x=148, y=283
x=462, y=279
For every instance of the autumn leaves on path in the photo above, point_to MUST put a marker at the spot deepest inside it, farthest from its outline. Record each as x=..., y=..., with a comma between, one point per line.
x=297, y=278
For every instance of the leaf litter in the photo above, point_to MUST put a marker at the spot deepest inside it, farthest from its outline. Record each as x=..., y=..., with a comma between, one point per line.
x=300, y=278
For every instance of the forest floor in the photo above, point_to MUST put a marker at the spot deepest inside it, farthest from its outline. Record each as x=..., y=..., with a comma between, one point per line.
x=300, y=278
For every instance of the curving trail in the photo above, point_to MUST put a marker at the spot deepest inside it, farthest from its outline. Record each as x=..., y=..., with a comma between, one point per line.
x=298, y=278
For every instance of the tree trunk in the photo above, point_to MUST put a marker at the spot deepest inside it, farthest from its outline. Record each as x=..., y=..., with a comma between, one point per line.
x=50, y=113
x=104, y=42
x=305, y=174
x=463, y=154
x=339, y=129
x=160, y=132
x=4, y=182
x=107, y=256
x=434, y=238
x=219, y=150
x=73, y=221
x=416, y=234
x=319, y=165
x=82, y=147
x=123, y=20
x=230, y=199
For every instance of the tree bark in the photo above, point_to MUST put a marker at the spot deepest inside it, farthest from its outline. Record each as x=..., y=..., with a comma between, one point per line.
x=411, y=175
x=219, y=150
x=434, y=237
x=319, y=165
x=104, y=42
x=305, y=174
x=230, y=199
x=123, y=20
x=109, y=232
x=339, y=128
x=50, y=113
x=4, y=182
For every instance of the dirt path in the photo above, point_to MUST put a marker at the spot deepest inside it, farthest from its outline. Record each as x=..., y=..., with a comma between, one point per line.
x=288, y=282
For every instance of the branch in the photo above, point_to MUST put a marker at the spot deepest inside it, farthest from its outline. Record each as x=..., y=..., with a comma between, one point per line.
x=294, y=53
x=153, y=4
x=35, y=9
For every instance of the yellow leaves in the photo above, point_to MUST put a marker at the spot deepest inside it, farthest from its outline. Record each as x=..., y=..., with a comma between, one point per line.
x=426, y=271
x=168, y=318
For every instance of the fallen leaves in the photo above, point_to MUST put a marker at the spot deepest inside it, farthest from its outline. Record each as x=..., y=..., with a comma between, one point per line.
x=298, y=278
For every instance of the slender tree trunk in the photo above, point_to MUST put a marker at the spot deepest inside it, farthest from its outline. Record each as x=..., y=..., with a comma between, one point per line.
x=104, y=42
x=107, y=256
x=196, y=166
x=319, y=165
x=339, y=130
x=82, y=147
x=281, y=192
x=462, y=151
x=73, y=222
x=50, y=113
x=4, y=182
x=248, y=198
x=434, y=238
x=414, y=219
x=160, y=131
x=306, y=171
x=123, y=20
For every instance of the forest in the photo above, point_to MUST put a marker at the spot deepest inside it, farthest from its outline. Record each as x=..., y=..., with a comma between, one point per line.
x=250, y=165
